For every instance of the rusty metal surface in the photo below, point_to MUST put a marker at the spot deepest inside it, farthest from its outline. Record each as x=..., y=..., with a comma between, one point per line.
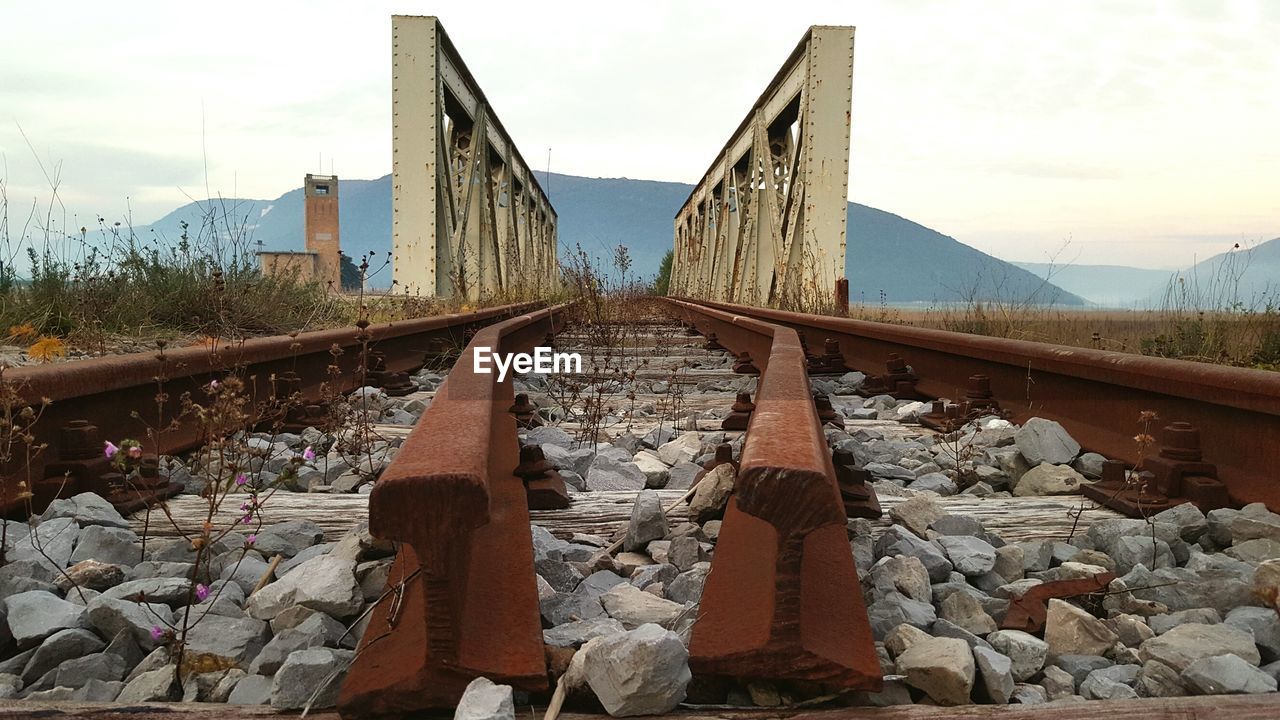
x=92, y=399
x=1096, y=395
x=1029, y=611
x=782, y=600
x=469, y=604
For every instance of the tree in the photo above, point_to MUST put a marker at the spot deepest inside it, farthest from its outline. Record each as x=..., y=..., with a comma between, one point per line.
x=350, y=273
x=662, y=283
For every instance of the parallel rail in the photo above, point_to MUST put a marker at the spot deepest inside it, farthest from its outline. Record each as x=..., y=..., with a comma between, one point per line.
x=1096, y=395
x=123, y=396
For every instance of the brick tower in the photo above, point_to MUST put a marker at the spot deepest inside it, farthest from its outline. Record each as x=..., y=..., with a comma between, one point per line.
x=321, y=228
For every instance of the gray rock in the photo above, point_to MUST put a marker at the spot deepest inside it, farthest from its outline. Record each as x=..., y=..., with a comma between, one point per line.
x=482, y=700
x=648, y=522
x=251, y=690
x=245, y=572
x=610, y=473
x=680, y=476
x=288, y=538
x=1026, y=651
x=1187, y=643
x=303, y=555
x=1070, y=630
x=548, y=435
x=100, y=667
x=37, y=614
x=941, y=667
x=641, y=672
x=155, y=569
x=110, y=616
x=324, y=583
x=98, y=691
x=1024, y=694
x=887, y=471
x=634, y=607
x=996, y=672
x=1133, y=550
x=687, y=587
x=1079, y=666
x=647, y=575
x=58, y=648
x=598, y=583
x=897, y=540
x=85, y=509
x=89, y=575
x=1040, y=440
x=49, y=545
x=1226, y=675
x=1253, y=525
x=562, y=576
x=712, y=494
x=1089, y=465
x=970, y=556
x=894, y=609
x=315, y=672
x=167, y=591
x=1049, y=480
x=221, y=691
x=152, y=686
x=233, y=640
x=575, y=634
x=935, y=482
x=1190, y=521
x=966, y=612
x=946, y=628
x=9, y=686
x=901, y=573
x=1100, y=686
x=562, y=608
x=1265, y=626
x=1163, y=623
x=1156, y=679
x=118, y=546
x=1057, y=683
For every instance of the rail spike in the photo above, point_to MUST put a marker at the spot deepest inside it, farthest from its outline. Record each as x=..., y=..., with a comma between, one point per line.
x=783, y=600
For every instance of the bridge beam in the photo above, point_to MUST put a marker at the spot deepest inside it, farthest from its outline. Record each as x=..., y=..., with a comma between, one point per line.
x=766, y=224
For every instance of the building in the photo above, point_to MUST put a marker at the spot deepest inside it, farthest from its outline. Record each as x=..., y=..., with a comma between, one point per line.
x=321, y=261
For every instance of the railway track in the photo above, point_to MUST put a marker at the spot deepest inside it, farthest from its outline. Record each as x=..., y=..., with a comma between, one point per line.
x=468, y=592
x=93, y=400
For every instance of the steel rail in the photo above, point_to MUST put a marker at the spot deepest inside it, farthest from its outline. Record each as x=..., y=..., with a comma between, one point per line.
x=1096, y=395
x=783, y=599
x=123, y=396
x=451, y=496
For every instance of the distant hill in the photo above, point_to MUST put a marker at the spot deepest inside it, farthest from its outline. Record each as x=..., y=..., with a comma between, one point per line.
x=1106, y=285
x=1245, y=277
x=906, y=260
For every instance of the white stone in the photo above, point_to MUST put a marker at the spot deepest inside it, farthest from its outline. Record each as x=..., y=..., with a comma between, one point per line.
x=1041, y=440
x=634, y=607
x=942, y=667
x=483, y=700
x=642, y=672
x=323, y=583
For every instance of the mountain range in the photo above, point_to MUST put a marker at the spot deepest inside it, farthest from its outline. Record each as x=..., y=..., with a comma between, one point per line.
x=1242, y=277
x=889, y=259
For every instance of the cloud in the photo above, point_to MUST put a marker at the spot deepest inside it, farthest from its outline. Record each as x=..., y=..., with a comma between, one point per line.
x=1056, y=170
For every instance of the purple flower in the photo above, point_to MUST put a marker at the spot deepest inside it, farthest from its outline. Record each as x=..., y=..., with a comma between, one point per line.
x=135, y=452
x=157, y=632
x=247, y=519
x=308, y=454
x=241, y=479
x=110, y=449
x=251, y=540
x=213, y=384
x=244, y=506
x=202, y=592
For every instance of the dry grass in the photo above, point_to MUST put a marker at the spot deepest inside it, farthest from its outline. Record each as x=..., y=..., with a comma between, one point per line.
x=1242, y=338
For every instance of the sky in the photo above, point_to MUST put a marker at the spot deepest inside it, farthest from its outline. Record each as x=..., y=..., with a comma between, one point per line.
x=1137, y=132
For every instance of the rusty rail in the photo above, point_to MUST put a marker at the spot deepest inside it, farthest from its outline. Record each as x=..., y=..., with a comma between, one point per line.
x=462, y=599
x=93, y=397
x=783, y=600
x=1096, y=395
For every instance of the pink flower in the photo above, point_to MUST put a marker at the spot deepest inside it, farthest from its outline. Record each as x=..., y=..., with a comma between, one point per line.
x=241, y=479
x=135, y=452
x=110, y=449
x=202, y=592
x=308, y=454
x=251, y=540
x=157, y=632
x=213, y=384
